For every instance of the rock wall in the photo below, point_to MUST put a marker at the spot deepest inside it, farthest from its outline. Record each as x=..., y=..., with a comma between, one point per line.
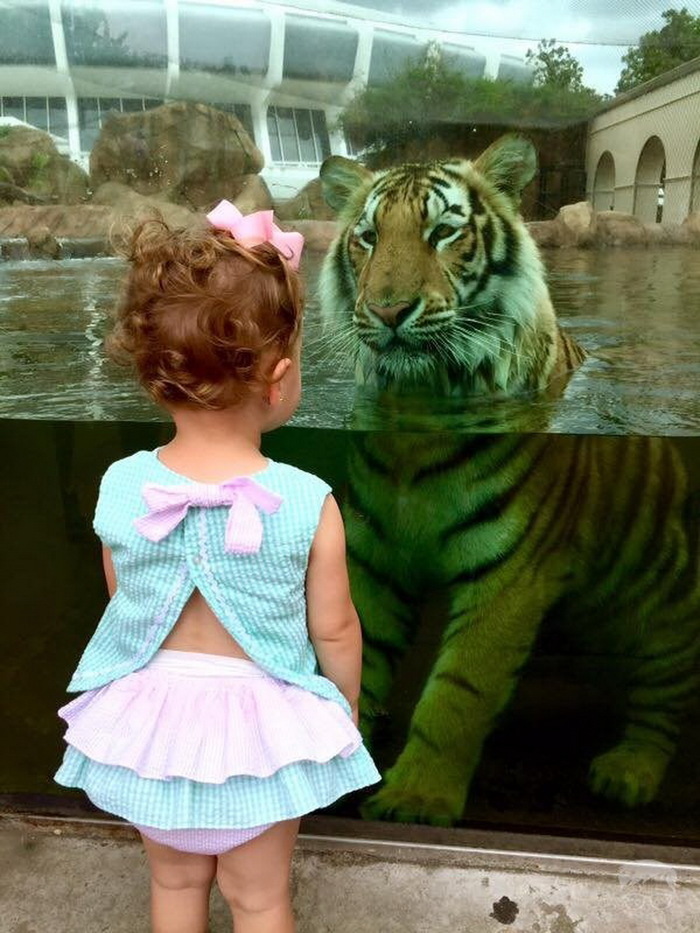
x=187, y=153
x=32, y=171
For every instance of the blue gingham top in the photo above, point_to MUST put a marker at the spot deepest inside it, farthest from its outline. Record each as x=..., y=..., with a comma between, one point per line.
x=258, y=597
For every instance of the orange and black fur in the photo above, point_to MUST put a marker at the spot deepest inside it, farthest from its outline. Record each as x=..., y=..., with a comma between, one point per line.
x=435, y=282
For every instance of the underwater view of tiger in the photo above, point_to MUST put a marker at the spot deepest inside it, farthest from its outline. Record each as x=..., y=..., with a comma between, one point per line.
x=434, y=282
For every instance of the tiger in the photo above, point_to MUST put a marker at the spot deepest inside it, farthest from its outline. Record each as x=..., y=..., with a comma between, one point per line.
x=434, y=280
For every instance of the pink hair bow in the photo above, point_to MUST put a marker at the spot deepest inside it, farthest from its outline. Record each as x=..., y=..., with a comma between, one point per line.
x=253, y=229
x=168, y=505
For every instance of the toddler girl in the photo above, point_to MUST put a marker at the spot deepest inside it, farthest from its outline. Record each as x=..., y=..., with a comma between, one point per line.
x=221, y=684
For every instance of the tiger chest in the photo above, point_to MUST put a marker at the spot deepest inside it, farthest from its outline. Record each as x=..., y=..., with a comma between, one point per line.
x=404, y=493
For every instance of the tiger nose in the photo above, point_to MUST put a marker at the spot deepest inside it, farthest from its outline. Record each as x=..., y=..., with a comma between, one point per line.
x=392, y=315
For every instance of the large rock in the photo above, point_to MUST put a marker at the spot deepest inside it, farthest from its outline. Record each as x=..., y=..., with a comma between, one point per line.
x=307, y=204
x=615, y=228
x=187, y=153
x=32, y=169
x=83, y=220
x=253, y=196
x=129, y=204
x=577, y=223
x=691, y=225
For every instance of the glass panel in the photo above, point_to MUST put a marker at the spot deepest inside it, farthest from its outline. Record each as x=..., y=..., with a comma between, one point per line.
x=109, y=104
x=36, y=112
x=321, y=133
x=274, y=133
x=13, y=107
x=132, y=104
x=316, y=50
x=500, y=372
x=233, y=40
x=58, y=117
x=89, y=117
x=115, y=32
x=25, y=34
x=288, y=134
x=306, y=136
x=392, y=52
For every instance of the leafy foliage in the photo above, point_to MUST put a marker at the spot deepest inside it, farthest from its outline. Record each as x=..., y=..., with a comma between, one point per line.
x=555, y=66
x=428, y=92
x=660, y=50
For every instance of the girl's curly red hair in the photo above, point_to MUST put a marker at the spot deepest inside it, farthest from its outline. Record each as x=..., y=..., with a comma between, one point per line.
x=200, y=314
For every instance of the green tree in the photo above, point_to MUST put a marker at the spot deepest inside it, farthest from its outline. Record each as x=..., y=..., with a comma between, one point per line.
x=662, y=49
x=555, y=66
x=428, y=93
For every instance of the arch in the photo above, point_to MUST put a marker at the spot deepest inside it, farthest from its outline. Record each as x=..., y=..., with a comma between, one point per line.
x=695, y=183
x=604, y=183
x=649, y=181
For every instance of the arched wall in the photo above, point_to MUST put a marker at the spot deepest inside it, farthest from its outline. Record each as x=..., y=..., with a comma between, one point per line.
x=695, y=186
x=604, y=183
x=667, y=111
x=651, y=170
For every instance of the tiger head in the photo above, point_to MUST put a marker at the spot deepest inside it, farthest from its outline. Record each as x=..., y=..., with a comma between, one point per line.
x=434, y=278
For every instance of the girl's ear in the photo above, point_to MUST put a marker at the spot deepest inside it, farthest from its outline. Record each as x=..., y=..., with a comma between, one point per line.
x=274, y=392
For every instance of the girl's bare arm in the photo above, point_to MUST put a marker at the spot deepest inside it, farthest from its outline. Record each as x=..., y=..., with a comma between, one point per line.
x=110, y=575
x=334, y=626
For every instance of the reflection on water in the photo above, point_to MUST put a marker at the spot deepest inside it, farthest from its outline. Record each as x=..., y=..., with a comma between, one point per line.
x=635, y=311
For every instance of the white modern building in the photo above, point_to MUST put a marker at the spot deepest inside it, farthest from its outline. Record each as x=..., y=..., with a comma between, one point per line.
x=286, y=69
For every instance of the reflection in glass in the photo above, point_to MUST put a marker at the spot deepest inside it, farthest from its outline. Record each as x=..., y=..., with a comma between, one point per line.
x=115, y=32
x=58, y=116
x=25, y=34
x=229, y=39
x=391, y=53
x=13, y=107
x=318, y=50
x=297, y=135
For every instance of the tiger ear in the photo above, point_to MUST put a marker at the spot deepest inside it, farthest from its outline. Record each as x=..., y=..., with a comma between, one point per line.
x=340, y=178
x=509, y=164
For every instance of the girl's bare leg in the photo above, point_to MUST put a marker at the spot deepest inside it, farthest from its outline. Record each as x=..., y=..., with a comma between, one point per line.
x=254, y=880
x=180, y=888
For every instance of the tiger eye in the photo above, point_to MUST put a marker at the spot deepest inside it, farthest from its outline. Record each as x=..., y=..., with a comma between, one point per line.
x=441, y=232
x=367, y=237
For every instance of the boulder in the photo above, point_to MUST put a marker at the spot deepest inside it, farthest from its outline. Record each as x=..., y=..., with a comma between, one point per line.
x=42, y=243
x=546, y=233
x=30, y=162
x=184, y=152
x=128, y=204
x=63, y=221
x=577, y=223
x=253, y=196
x=318, y=234
x=307, y=204
x=615, y=228
x=691, y=225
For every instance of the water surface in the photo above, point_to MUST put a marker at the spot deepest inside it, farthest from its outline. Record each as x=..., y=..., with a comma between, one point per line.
x=635, y=311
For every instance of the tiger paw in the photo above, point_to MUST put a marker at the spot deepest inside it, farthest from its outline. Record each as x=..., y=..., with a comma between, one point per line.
x=411, y=805
x=629, y=774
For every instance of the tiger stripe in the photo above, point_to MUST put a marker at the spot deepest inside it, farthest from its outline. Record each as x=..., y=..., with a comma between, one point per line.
x=513, y=533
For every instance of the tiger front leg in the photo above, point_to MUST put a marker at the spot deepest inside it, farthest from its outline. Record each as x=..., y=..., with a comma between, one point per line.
x=477, y=668
x=661, y=685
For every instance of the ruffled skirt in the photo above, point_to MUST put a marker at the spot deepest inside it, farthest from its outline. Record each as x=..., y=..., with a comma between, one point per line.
x=193, y=743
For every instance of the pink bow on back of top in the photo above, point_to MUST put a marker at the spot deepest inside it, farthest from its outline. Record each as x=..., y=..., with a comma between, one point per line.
x=168, y=505
x=253, y=229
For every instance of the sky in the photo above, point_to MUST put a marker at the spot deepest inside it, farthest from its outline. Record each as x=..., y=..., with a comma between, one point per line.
x=596, y=32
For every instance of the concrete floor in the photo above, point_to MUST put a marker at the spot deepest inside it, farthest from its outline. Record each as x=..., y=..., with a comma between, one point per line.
x=73, y=877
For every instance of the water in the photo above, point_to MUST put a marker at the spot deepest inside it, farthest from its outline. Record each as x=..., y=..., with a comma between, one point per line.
x=635, y=311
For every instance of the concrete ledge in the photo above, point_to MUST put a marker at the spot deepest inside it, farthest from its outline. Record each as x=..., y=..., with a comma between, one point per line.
x=88, y=876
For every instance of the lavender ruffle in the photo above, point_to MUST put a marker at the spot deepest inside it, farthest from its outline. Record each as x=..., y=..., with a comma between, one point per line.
x=206, y=718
